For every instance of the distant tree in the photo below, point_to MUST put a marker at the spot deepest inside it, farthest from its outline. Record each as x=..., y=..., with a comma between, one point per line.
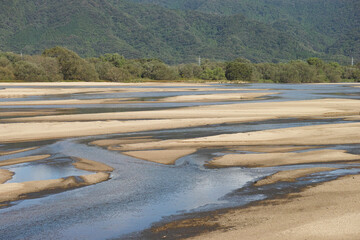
x=72, y=66
x=238, y=71
x=190, y=71
x=159, y=71
x=315, y=62
x=116, y=59
x=6, y=73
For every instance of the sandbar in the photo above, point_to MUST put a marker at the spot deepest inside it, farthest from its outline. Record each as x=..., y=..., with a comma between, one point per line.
x=215, y=97
x=23, y=160
x=167, y=157
x=5, y=175
x=30, y=131
x=327, y=211
x=17, y=191
x=110, y=142
x=320, y=108
x=290, y=175
x=66, y=102
x=279, y=159
x=271, y=149
x=27, y=92
x=325, y=134
x=92, y=166
x=2, y=153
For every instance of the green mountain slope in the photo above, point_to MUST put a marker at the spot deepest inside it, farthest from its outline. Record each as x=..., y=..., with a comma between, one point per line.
x=320, y=24
x=94, y=27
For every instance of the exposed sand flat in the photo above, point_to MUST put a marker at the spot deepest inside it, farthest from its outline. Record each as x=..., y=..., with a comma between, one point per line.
x=17, y=191
x=110, y=142
x=23, y=160
x=26, y=92
x=326, y=134
x=353, y=118
x=215, y=97
x=270, y=149
x=327, y=211
x=290, y=175
x=92, y=166
x=323, y=108
x=110, y=84
x=27, y=113
x=278, y=159
x=161, y=156
x=66, y=102
x=13, y=132
x=2, y=153
x=5, y=175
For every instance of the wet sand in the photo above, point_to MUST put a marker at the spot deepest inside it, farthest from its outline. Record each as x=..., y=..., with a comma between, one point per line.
x=5, y=175
x=327, y=211
x=290, y=175
x=92, y=166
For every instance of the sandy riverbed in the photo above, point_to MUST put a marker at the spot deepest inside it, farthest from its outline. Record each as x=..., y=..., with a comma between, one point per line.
x=328, y=211
x=319, y=209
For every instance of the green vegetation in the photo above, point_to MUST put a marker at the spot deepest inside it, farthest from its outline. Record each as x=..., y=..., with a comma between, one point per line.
x=262, y=30
x=61, y=64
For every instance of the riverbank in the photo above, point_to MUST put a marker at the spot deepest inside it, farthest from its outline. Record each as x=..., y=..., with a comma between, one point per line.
x=327, y=211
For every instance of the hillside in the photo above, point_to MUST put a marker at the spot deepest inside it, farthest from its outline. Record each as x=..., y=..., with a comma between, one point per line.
x=94, y=27
x=329, y=26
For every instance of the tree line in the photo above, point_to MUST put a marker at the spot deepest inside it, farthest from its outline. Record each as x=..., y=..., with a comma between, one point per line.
x=59, y=64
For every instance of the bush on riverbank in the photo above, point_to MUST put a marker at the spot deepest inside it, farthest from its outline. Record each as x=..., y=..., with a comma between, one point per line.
x=61, y=64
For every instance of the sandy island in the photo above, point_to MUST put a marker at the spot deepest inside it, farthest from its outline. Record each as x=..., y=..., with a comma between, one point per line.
x=279, y=159
x=167, y=157
x=16, y=191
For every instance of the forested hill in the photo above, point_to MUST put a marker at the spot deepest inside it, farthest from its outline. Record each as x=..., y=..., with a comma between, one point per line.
x=178, y=31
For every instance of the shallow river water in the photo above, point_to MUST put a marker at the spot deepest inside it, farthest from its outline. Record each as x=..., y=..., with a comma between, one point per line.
x=140, y=193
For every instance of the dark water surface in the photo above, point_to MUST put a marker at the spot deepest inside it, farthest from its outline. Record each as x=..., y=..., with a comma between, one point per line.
x=140, y=193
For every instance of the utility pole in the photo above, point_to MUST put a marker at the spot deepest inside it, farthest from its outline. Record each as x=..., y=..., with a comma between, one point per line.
x=199, y=61
x=352, y=61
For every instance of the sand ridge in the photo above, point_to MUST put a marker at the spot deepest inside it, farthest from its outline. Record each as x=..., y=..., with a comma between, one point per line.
x=92, y=166
x=279, y=159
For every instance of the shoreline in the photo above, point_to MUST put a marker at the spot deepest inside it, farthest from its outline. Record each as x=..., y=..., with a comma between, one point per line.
x=281, y=217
